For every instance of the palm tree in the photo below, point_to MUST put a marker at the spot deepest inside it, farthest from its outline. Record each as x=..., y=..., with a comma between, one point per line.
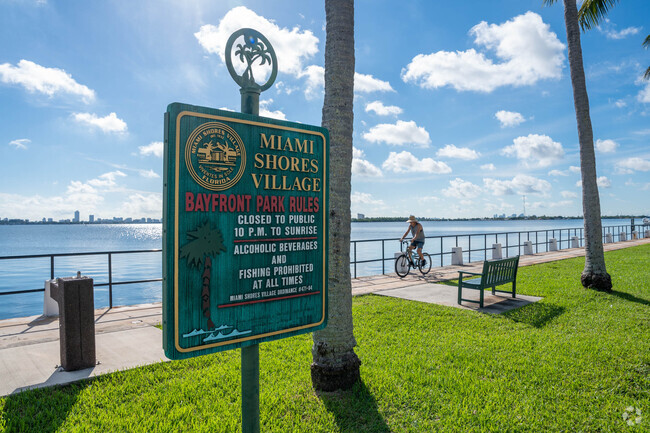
x=204, y=243
x=335, y=365
x=592, y=12
x=594, y=275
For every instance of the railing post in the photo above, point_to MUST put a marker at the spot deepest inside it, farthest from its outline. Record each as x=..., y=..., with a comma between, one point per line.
x=51, y=267
x=110, y=281
x=469, y=249
x=383, y=258
x=355, y=260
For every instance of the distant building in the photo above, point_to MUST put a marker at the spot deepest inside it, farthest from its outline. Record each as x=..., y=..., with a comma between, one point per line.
x=76, y=216
x=360, y=216
x=91, y=218
x=43, y=219
x=50, y=220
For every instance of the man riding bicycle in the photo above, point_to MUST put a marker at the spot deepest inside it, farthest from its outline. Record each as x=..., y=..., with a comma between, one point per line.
x=418, y=237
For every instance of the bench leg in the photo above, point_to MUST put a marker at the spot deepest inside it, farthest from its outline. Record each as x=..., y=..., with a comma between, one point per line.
x=493, y=290
x=481, y=303
x=460, y=294
x=514, y=288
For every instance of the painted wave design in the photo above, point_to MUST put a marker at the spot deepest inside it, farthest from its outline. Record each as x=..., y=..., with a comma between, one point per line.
x=196, y=332
x=221, y=336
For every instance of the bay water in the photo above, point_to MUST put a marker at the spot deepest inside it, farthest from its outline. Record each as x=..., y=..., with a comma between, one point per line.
x=26, y=274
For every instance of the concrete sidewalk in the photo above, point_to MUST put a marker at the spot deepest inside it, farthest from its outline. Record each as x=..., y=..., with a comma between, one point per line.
x=126, y=337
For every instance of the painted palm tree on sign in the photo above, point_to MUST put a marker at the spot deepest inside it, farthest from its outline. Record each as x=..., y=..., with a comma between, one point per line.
x=250, y=51
x=594, y=275
x=335, y=365
x=591, y=14
x=204, y=242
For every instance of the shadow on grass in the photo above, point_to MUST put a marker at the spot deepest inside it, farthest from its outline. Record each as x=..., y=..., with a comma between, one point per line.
x=40, y=410
x=629, y=297
x=355, y=410
x=536, y=315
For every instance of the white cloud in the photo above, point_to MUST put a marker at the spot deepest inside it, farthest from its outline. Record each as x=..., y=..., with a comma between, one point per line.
x=630, y=165
x=149, y=174
x=574, y=169
x=107, y=124
x=602, y=182
x=607, y=28
x=509, y=118
x=557, y=173
x=49, y=81
x=398, y=134
x=266, y=112
x=459, y=188
x=451, y=151
x=362, y=167
x=365, y=198
x=383, y=110
x=620, y=103
x=644, y=94
x=606, y=146
x=367, y=83
x=106, y=180
x=526, y=48
x=488, y=167
x=535, y=150
x=292, y=47
x=314, y=82
x=405, y=162
x=139, y=205
x=155, y=148
x=520, y=184
x=568, y=194
x=21, y=143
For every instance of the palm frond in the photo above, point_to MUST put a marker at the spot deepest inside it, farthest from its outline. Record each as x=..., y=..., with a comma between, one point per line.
x=646, y=43
x=592, y=12
x=647, y=74
x=548, y=2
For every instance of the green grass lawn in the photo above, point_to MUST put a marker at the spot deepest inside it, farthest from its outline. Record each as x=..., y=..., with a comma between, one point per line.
x=573, y=362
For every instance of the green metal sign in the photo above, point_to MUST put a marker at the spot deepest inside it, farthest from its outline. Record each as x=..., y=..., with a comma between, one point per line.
x=245, y=230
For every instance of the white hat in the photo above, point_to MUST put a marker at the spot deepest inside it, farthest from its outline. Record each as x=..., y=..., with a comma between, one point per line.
x=412, y=219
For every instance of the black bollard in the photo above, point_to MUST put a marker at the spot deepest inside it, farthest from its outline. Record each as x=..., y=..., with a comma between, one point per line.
x=76, y=321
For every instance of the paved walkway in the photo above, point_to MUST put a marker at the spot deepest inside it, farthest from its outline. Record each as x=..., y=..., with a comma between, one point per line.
x=126, y=337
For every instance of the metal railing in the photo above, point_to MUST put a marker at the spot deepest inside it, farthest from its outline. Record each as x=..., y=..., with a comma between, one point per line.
x=110, y=282
x=475, y=246
x=439, y=248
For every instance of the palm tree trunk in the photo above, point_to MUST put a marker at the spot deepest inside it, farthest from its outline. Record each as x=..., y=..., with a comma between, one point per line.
x=594, y=275
x=205, y=290
x=335, y=365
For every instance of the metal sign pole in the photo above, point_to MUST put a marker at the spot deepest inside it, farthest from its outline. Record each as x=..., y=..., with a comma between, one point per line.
x=255, y=48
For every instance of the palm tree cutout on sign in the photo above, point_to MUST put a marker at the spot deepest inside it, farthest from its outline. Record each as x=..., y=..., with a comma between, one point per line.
x=204, y=242
x=252, y=49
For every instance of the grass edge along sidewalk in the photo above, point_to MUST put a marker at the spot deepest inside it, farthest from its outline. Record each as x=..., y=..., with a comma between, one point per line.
x=575, y=361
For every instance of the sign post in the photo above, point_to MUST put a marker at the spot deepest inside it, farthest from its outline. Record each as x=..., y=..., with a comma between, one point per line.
x=245, y=226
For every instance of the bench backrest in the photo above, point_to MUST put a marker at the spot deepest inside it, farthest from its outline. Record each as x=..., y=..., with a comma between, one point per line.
x=497, y=272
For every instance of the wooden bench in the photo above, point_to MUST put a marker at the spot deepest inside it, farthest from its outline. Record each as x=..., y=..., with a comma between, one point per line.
x=495, y=273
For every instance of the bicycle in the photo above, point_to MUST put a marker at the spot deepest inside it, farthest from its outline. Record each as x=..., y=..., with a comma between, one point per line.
x=405, y=262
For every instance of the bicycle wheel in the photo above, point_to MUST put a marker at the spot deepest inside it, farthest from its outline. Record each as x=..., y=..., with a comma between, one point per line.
x=402, y=267
x=427, y=264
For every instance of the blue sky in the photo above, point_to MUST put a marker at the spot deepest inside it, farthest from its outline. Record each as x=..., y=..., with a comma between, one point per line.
x=459, y=111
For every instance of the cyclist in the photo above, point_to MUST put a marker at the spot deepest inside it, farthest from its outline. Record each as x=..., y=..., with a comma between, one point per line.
x=418, y=237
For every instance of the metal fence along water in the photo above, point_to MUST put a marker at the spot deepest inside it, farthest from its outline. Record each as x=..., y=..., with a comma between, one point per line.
x=128, y=277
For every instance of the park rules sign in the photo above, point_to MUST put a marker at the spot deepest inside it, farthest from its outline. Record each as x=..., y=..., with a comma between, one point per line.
x=244, y=230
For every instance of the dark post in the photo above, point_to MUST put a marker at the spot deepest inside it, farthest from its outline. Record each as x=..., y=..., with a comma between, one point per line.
x=255, y=47
x=76, y=321
x=632, y=224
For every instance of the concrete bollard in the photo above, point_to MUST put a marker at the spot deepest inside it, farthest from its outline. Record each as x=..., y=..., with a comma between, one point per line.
x=609, y=238
x=50, y=306
x=635, y=235
x=76, y=321
x=622, y=236
x=496, y=252
x=528, y=248
x=401, y=268
x=457, y=256
x=552, y=244
x=647, y=233
x=575, y=242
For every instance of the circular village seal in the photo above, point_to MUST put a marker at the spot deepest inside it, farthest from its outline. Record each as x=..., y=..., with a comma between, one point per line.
x=215, y=156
